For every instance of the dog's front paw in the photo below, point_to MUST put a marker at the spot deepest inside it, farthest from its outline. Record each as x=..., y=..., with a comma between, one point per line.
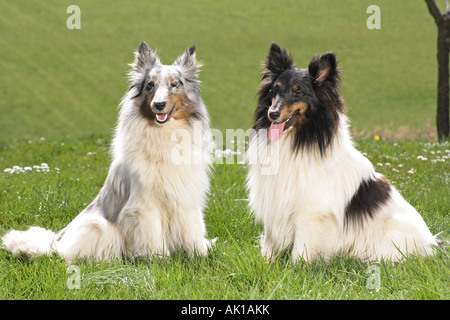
x=201, y=248
x=306, y=254
x=211, y=242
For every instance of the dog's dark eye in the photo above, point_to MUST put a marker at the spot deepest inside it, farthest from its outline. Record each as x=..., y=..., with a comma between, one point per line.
x=174, y=84
x=296, y=93
x=274, y=90
x=150, y=86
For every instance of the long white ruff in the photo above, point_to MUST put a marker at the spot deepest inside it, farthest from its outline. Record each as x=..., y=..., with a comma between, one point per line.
x=158, y=183
x=301, y=199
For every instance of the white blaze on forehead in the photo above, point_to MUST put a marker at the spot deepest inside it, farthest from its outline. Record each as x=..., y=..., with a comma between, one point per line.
x=162, y=78
x=162, y=93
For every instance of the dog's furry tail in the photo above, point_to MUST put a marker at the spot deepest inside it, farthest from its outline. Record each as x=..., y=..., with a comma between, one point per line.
x=35, y=241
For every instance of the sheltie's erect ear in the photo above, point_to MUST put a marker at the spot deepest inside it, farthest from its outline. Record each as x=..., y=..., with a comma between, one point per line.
x=145, y=58
x=188, y=63
x=277, y=61
x=324, y=69
x=189, y=67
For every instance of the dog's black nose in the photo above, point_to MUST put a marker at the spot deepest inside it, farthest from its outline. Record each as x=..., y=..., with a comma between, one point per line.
x=160, y=105
x=274, y=115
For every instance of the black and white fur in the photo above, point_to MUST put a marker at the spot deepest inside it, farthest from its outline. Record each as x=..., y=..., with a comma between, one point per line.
x=153, y=197
x=316, y=195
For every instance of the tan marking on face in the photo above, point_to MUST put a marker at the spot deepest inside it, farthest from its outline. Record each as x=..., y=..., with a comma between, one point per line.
x=173, y=81
x=182, y=109
x=289, y=111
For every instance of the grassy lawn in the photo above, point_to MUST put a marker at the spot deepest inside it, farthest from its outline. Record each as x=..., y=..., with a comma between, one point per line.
x=61, y=82
x=50, y=196
x=59, y=91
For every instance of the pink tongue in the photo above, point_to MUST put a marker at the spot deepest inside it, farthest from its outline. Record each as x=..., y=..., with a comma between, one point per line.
x=161, y=116
x=275, y=131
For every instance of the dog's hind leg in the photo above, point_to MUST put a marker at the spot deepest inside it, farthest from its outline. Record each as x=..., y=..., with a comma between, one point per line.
x=90, y=235
x=402, y=235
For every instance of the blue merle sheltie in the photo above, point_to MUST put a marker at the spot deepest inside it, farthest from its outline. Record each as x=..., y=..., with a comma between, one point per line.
x=152, y=200
x=316, y=195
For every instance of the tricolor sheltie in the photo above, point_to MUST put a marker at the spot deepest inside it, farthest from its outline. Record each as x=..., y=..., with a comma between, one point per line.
x=316, y=195
x=153, y=197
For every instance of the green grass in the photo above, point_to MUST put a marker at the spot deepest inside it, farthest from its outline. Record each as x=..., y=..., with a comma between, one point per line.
x=234, y=269
x=56, y=81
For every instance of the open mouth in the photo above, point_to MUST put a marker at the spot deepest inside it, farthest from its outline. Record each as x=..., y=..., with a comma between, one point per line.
x=162, y=118
x=277, y=129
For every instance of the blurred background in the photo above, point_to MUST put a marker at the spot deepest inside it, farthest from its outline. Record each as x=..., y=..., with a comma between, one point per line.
x=58, y=82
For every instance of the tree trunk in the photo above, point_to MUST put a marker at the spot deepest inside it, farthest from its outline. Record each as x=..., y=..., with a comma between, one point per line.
x=443, y=49
x=442, y=114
